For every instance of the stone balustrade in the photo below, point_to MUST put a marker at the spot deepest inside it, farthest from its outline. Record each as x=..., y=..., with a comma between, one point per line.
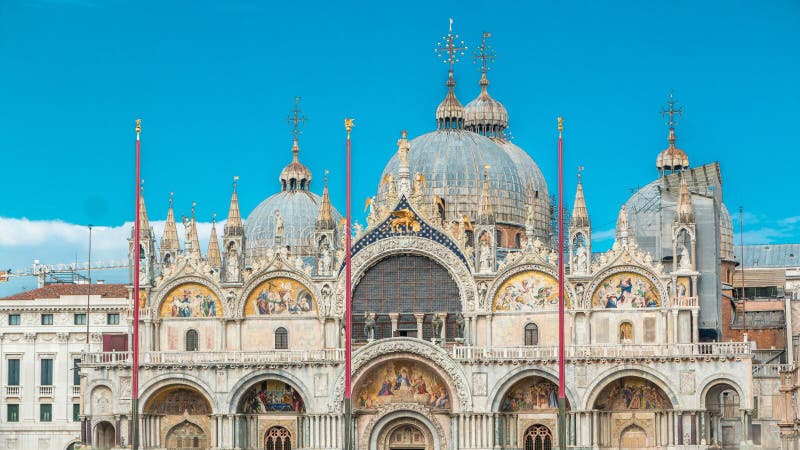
x=715, y=350
x=770, y=370
x=227, y=358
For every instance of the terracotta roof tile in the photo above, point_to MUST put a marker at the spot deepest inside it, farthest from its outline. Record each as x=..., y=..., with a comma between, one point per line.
x=57, y=290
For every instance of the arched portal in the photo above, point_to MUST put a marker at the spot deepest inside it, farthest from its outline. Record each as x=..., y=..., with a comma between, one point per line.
x=637, y=412
x=187, y=435
x=277, y=438
x=538, y=437
x=177, y=416
x=405, y=434
x=408, y=285
x=724, y=424
x=269, y=413
x=104, y=435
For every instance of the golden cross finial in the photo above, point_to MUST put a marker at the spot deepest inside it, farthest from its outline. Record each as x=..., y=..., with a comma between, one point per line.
x=452, y=48
x=671, y=111
x=296, y=120
x=484, y=53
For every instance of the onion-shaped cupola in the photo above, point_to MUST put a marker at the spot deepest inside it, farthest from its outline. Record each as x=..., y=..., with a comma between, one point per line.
x=450, y=112
x=485, y=115
x=672, y=159
x=295, y=176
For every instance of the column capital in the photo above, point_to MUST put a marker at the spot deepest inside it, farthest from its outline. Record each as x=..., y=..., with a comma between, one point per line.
x=419, y=316
x=395, y=316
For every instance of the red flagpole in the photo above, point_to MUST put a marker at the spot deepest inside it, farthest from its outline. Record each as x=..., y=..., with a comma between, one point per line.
x=348, y=125
x=562, y=426
x=136, y=256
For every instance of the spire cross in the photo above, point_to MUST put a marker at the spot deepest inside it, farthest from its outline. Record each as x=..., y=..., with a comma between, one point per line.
x=580, y=173
x=170, y=198
x=296, y=120
x=671, y=111
x=235, y=180
x=193, y=205
x=451, y=47
x=484, y=53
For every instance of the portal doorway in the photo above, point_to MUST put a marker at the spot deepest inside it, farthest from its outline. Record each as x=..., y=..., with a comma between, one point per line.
x=633, y=437
x=405, y=434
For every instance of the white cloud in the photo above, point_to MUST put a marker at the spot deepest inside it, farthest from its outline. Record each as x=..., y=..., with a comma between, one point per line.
x=603, y=235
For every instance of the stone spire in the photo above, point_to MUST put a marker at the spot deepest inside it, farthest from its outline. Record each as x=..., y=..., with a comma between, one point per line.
x=623, y=228
x=212, y=255
x=169, y=241
x=144, y=224
x=404, y=169
x=486, y=211
x=580, y=215
x=683, y=211
x=233, y=226
x=450, y=112
x=325, y=218
x=192, y=241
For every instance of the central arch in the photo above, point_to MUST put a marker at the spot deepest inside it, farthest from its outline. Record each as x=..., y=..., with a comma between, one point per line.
x=394, y=417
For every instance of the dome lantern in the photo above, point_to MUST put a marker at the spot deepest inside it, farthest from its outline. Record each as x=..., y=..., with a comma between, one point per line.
x=485, y=115
x=296, y=176
x=672, y=158
x=450, y=112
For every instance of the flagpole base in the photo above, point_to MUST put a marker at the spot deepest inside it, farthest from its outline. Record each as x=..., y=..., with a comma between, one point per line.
x=348, y=425
x=134, y=438
x=562, y=423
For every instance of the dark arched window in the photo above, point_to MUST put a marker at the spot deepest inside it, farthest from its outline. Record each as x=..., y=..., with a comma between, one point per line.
x=498, y=238
x=192, y=341
x=281, y=339
x=406, y=285
x=531, y=334
x=518, y=240
x=538, y=437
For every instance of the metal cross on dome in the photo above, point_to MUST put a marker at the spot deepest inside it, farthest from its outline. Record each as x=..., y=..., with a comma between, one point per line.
x=671, y=111
x=484, y=53
x=452, y=48
x=296, y=120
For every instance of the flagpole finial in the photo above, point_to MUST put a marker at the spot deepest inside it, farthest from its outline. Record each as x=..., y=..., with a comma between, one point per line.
x=560, y=125
x=348, y=125
x=138, y=126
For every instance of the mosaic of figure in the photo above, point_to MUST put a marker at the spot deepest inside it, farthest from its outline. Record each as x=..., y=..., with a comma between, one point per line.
x=191, y=300
x=626, y=290
x=527, y=291
x=682, y=287
x=178, y=401
x=402, y=382
x=278, y=296
x=530, y=394
x=271, y=396
x=632, y=393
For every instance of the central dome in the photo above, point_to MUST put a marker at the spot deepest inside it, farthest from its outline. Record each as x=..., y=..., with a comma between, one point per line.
x=452, y=161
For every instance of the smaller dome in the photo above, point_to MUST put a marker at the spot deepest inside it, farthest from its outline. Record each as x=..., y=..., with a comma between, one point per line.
x=726, y=252
x=450, y=113
x=485, y=115
x=672, y=158
x=295, y=175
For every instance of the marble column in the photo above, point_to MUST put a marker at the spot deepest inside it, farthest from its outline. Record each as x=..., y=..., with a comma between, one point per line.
x=443, y=333
x=595, y=429
x=745, y=428
x=157, y=340
x=675, y=334
x=394, y=317
x=695, y=326
x=488, y=330
x=420, y=320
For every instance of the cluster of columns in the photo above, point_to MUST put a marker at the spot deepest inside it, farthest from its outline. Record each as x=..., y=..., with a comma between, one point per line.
x=320, y=431
x=150, y=431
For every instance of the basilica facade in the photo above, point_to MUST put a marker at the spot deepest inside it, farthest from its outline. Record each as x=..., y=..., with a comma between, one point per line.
x=455, y=313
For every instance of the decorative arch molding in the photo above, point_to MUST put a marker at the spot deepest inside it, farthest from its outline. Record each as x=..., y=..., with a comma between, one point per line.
x=687, y=229
x=89, y=406
x=657, y=281
x=505, y=383
x=245, y=383
x=608, y=376
x=512, y=271
x=268, y=274
x=165, y=289
x=378, y=250
x=440, y=360
x=73, y=443
x=174, y=379
x=717, y=379
x=387, y=413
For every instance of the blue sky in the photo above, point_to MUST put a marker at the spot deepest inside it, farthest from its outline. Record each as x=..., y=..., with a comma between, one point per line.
x=213, y=82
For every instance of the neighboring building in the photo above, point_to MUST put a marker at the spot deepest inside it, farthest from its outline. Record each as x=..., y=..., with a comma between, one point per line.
x=455, y=310
x=42, y=340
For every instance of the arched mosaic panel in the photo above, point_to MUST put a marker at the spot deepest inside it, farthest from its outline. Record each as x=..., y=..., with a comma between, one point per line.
x=530, y=394
x=191, y=300
x=178, y=401
x=632, y=393
x=280, y=296
x=626, y=290
x=271, y=396
x=401, y=381
x=527, y=291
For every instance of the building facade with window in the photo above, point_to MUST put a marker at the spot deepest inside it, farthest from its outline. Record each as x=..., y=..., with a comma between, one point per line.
x=42, y=341
x=455, y=314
